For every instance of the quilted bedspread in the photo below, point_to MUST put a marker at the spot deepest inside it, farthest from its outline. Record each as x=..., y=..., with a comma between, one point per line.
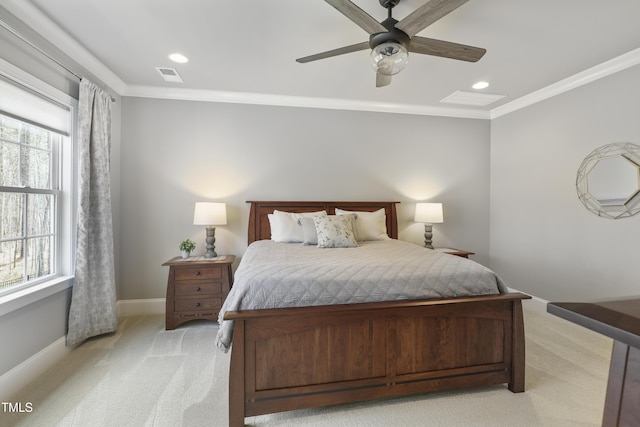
x=275, y=275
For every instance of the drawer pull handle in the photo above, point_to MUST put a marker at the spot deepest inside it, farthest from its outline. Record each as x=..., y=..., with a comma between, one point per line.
x=198, y=290
x=197, y=273
x=197, y=304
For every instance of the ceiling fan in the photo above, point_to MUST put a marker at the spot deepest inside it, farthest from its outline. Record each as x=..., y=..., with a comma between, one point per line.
x=391, y=41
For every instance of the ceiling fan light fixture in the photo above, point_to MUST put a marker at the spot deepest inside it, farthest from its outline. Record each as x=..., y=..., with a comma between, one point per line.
x=389, y=58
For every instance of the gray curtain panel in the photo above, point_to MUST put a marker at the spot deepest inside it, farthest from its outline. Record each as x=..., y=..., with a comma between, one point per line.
x=93, y=301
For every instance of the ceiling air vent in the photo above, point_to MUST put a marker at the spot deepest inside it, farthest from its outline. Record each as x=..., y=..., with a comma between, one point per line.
x=472, y=98
x=169, y=74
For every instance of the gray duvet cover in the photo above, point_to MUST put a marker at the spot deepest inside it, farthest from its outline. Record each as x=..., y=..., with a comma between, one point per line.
x=276, y=275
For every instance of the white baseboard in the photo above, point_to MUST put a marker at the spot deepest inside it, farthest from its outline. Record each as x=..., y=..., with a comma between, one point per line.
x=17, y=378
x=140, y=307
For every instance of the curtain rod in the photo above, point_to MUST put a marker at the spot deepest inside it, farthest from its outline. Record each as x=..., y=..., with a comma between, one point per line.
x=42, y=52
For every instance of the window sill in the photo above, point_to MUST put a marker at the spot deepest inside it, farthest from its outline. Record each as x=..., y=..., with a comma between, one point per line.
x=22, y=298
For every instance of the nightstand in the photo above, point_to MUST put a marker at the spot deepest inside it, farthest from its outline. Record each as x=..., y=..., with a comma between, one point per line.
x=196, y=288
x=452, y=251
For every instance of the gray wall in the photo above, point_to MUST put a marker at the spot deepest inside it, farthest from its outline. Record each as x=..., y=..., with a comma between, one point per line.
x=543, y=240
x=175, y=153
x=32, y=328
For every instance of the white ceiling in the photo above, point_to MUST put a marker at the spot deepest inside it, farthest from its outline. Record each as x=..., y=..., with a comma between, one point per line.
x=247, y=49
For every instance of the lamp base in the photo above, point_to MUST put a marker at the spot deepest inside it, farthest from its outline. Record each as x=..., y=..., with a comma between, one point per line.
x=211, y=240
x=428, y=234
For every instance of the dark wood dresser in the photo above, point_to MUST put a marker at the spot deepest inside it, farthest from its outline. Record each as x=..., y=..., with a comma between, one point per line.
x=196, y=288
x=619, y=320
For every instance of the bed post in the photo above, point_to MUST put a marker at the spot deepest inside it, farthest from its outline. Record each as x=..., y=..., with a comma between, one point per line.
x=393, y=229
x=236, y=381
x=516, y=384
x=251, y=237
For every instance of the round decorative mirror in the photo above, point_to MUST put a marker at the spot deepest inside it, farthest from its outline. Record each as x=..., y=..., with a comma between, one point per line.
x=608, y=181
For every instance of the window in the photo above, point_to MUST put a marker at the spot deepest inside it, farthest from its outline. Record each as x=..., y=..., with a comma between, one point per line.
x=28, y=199
x=36, y=182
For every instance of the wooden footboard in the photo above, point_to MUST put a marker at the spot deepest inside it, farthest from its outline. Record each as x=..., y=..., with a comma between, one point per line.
x=286, y=359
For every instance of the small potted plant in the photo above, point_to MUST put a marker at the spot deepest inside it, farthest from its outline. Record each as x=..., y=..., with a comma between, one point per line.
x=186, y=247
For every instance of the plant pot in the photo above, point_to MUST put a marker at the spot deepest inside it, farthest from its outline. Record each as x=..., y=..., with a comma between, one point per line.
x=185, y=254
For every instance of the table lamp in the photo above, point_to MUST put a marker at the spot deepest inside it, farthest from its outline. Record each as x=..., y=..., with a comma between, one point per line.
x=210, y=214
x=429, y=213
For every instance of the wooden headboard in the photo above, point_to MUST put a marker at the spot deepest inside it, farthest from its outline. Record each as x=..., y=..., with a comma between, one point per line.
x=259, y=228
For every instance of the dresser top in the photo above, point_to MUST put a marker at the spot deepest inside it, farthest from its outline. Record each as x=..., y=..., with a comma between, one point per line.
x=619, y=319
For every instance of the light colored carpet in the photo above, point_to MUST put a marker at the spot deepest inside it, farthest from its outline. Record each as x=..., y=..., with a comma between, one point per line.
x=146, y=376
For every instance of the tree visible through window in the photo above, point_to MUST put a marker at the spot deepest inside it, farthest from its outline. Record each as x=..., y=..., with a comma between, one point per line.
x=28, y=199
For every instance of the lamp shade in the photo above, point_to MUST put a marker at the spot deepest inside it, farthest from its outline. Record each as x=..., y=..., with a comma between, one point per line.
x=207, y=213
x=430, y=213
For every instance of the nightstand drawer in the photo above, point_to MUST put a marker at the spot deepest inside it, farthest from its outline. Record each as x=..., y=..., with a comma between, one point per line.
x=197, y=288
x=197, y=304
x=197, y=273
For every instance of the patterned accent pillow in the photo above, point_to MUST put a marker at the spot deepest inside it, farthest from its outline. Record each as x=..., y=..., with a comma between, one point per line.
x=335, y=231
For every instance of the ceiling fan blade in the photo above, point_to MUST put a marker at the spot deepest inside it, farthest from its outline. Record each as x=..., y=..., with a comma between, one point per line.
x=446, y=49
x=357, y=15
x=427, y=14
x=334, y=52
x=382, y=79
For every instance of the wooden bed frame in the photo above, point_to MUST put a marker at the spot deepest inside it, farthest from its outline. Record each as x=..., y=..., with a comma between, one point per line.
x=294, y=358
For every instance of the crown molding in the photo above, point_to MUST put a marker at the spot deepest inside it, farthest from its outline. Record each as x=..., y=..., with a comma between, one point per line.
x=39, y=22
x=174, y=93
x=612, y=66
x=33, y=17
x=607, y=68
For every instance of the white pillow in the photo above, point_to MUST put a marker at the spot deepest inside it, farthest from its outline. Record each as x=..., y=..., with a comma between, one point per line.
x=296, y=216
x=335, y=231
x=285, y=227
x=309, y=231
x=369, y=225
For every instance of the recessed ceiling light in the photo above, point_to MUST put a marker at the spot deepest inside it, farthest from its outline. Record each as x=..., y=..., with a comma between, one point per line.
x=480, y=85
x=179, y=58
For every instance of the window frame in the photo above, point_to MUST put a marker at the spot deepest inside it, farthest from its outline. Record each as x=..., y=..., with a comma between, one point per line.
x=23, y=190
x=65, y=173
